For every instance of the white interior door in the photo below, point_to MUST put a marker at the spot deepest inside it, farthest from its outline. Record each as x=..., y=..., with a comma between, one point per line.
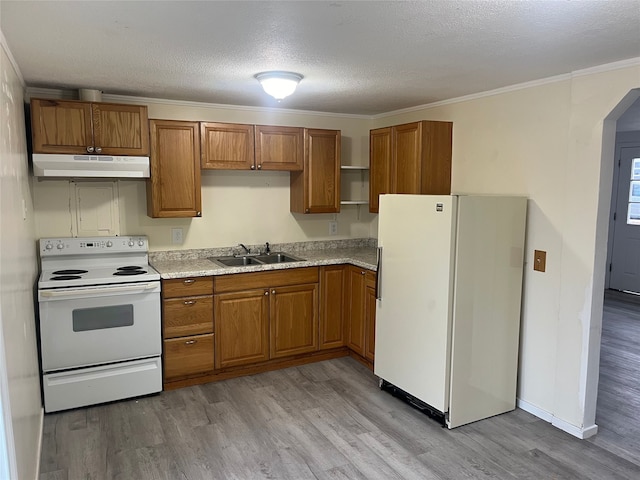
x=625, y=257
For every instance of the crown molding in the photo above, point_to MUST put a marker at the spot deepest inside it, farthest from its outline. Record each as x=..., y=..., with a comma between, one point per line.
x=608, y=67
x=14, y=64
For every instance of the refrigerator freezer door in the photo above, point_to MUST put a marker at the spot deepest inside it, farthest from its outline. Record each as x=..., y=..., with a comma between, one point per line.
x=486, y=319
x=413, y=314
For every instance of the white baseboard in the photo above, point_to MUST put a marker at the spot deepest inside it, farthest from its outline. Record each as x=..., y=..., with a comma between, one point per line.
x=40, y=443
x=579, y=432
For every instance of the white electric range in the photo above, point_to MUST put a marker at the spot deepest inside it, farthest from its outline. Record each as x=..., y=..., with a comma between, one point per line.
x=99, y=321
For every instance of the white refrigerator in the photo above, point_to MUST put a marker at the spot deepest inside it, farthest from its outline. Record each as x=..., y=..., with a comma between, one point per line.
x=448, y=302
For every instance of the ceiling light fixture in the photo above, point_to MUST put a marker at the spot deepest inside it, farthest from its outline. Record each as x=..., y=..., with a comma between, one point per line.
x=279, y=84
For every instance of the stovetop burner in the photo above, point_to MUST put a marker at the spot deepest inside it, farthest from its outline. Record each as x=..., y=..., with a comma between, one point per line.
x=130, y=272
x=69, y=272
x=66, y=277
x=129, y=268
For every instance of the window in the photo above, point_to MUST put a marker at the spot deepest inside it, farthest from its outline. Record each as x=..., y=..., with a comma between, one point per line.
x=633, y=212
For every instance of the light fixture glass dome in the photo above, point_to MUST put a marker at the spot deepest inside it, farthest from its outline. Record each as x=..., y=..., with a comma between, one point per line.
x=279, y=84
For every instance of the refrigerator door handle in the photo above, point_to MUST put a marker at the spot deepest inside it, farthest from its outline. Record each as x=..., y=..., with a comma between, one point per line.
x=379, y=275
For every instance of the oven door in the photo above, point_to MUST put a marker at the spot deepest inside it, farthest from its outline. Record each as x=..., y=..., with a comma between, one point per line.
x=84, y=326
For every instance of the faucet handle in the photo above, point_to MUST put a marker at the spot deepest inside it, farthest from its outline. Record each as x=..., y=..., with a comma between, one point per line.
x=267, y=249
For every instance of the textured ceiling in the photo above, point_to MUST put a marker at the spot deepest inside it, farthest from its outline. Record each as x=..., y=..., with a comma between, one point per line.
x=357, y=57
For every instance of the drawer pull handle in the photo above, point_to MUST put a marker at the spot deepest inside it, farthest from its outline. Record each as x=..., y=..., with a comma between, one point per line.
x=188, y=281
x=189, y=302
x=190, y=342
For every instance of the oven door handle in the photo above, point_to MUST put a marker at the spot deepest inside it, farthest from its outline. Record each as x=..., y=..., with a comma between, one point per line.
x=92, y=291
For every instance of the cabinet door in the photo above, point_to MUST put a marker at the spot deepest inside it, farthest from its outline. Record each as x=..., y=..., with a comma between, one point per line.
x=406, y=158
x=188, y=356
x=59, y=126
x=332, y=295
x=120, y=129
x=174, y=187
x=355, y=310
x=187, y=316
x=317, y=188
x=241, y=322
x=379, y=166
x=227, y=146
x=370, y=316
x=279, y=148
x=294, y=320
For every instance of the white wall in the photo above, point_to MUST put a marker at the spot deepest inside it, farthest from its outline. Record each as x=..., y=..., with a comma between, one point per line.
x=546, y=142
x=251, y=207
x=18, y=272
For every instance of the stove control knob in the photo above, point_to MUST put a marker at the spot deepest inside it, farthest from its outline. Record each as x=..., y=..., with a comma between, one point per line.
x=48, y=246
x=109, y=243
x=60, y=246
x=140, y=243
x=131, y=244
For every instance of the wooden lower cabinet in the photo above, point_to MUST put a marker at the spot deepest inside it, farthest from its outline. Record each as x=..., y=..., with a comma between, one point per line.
x=186, y=356
x=242, y=327
x=271, y=315
x=370, y=316
x=332, y=305
x=294, y=320
x=187, y=327
x=361, y=311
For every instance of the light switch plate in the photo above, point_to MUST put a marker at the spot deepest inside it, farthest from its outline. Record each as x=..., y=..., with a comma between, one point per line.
x=539, y=260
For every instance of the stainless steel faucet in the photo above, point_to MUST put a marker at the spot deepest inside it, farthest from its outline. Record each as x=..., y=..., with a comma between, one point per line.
x=246, y=250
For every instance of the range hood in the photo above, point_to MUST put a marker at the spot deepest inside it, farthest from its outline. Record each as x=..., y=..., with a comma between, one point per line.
x=96, y=166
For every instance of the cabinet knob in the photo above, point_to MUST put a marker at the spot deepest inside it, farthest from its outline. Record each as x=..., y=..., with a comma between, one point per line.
x=306, y=210
x=90, y=149
x=259, y=167
x=190, y=302
x=253, y=167
x=362, y=273
x=188, y=281
x=190, y=342
x=98, y=149
x=198, y=214
x=273, y=292
x=266, y=292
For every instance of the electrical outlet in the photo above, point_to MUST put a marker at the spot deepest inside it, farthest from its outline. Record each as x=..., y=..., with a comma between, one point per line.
x=333, y=228
x=176, y=236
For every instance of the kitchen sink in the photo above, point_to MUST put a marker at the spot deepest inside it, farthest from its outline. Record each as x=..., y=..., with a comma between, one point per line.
x=266, y=259
x=278, y=257
x=236, y=261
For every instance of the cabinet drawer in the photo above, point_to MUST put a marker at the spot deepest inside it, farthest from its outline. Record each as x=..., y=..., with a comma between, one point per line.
x=188, y=356
x=187, y=316
x=277, y=278
x=184, y=287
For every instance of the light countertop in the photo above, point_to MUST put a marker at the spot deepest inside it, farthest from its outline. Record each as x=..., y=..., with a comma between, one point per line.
x=363, y=256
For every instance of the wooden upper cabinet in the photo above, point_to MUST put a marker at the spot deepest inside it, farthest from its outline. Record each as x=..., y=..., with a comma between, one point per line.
x=279, y=148
x=174, y=187
x=379, y=165
x=317, y=188
x=227, y=146
x=120, y=129
x=413, y=158
x=75, y=127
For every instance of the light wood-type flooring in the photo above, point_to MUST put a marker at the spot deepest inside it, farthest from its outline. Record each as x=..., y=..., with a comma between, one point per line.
x=329, y=420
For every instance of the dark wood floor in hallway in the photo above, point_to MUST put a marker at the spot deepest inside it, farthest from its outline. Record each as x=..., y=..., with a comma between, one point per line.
x=329, y=420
